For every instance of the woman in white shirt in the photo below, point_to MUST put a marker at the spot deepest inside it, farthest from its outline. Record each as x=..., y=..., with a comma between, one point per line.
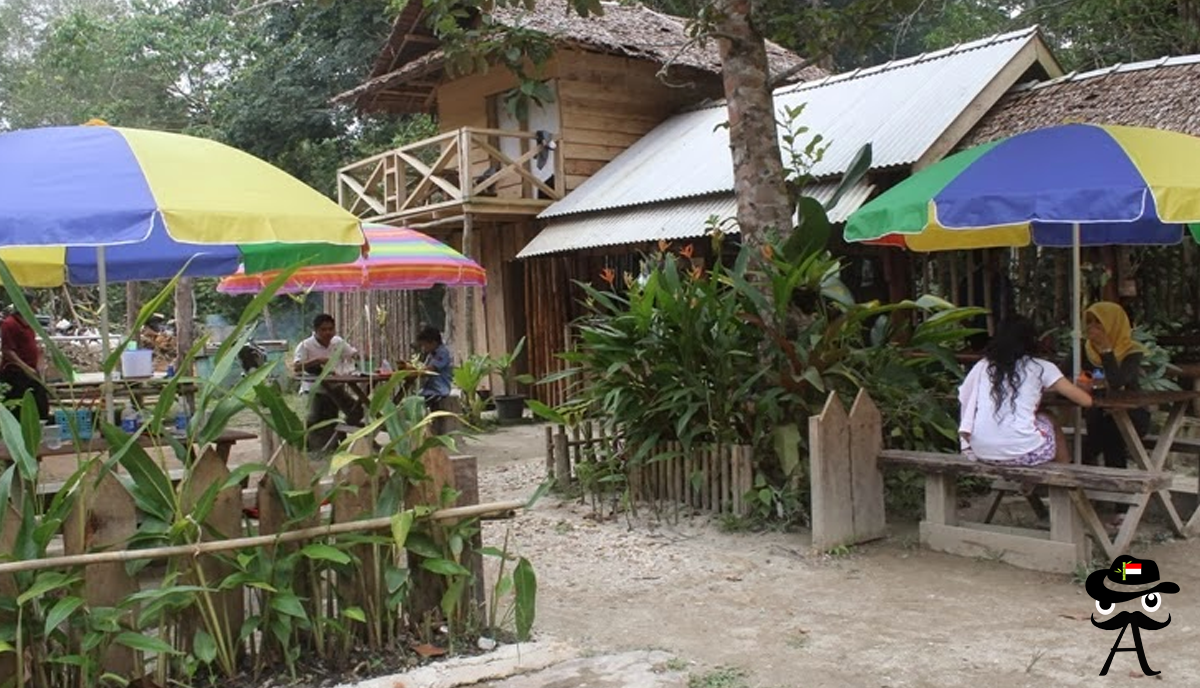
x=1000, y=398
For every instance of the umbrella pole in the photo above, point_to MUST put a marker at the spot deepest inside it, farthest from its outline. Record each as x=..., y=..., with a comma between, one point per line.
x=1076, y=335
x=105, y=347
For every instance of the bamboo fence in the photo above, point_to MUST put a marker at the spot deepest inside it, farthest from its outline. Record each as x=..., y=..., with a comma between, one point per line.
x=96, y=534
x=713, y=478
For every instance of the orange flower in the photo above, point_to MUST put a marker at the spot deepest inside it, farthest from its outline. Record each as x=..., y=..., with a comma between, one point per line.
x=686, y=251
x=608, y=275
x=768, y=251
x=663, y=245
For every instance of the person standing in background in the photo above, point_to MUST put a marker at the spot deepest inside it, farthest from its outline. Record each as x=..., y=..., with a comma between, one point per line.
x=20, y=360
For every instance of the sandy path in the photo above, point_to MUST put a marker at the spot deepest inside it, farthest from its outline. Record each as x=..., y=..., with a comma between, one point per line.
x=888, y=614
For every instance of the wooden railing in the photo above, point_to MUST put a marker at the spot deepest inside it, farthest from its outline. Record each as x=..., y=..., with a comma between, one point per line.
x=465, y=167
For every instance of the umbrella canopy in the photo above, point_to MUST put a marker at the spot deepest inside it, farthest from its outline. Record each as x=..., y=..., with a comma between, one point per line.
x=1118, y=185
x=399, y=258
x=159, y=202
x=1071, y=185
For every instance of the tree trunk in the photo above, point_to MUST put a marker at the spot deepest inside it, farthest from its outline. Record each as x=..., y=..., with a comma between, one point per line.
x=185, y=317
x=763, y=208
x=133, y=304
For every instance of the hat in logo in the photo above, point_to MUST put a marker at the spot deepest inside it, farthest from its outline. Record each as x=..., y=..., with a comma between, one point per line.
x=1126, y=571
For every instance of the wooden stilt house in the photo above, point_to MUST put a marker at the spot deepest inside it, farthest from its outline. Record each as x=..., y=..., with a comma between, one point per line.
x=481, y=182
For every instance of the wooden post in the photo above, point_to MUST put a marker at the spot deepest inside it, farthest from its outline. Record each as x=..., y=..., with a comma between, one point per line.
x=104, y=516
x=562, y=458
x=468, y=241
x=829, y=459
x=866, y=482
x=223, y=522
x=133, y=304
x=550, y=452
x=364, y=588
x=9, y=532
x=466, y=481
x=185, y=317
x=941, y=499
x=1067, y=526
x=427, y=587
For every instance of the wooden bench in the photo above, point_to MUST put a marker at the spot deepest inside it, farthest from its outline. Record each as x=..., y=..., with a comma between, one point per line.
x=1072, y=517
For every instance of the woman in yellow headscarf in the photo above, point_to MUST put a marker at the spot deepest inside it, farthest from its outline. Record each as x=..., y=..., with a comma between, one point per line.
x=1112, y=351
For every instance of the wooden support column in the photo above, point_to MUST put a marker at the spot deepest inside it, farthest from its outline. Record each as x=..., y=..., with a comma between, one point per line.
x=466, y=481
x=469, y=311
x=185, y=317
x=133, y=304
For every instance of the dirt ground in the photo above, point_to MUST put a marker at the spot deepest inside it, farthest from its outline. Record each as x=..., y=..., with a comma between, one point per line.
x=887, y=614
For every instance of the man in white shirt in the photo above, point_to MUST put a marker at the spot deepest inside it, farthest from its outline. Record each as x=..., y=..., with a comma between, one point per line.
x=328, y=399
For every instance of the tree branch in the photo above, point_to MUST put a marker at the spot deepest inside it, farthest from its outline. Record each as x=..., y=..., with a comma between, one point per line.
x=779, y=79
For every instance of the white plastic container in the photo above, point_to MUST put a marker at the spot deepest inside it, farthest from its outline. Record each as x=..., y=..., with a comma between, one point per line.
x=137, y=363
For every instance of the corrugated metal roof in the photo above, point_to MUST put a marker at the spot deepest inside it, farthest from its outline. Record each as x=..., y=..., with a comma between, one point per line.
x=901, y=108
x=670, y=220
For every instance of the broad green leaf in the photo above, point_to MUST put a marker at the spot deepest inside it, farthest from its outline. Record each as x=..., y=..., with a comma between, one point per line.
x=46, y=582
x=787, y=447
x=322, y=552
x=61, y=611
x=145, y=643
x=421, y=545
x=401, y=525
x=444, y=567
x=204, y=647
x=289, y=604
x=355, y=614
x=525, y=585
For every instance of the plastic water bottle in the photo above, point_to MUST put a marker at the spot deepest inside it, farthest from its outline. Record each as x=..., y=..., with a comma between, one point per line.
x=129, y=420
x=170, y=371
x=52, y=435
x=1098, y=382
x=180, y=413
x=386, y=367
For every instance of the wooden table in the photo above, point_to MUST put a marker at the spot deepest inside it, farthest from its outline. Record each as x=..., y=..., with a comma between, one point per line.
x=1118, y=406
x=88, y=388
x=360, y=385
x=97, y=445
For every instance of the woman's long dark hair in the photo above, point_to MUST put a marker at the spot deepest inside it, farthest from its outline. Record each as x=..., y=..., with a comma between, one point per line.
x=1016, y=338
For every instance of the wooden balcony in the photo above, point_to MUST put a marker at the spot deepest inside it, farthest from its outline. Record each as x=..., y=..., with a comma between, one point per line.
x=491, y=174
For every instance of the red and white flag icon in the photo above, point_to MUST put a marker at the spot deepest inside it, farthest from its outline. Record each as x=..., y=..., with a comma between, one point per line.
x=1133, y=569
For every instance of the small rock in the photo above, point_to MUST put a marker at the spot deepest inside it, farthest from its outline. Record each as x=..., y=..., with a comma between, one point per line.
x=486, y=644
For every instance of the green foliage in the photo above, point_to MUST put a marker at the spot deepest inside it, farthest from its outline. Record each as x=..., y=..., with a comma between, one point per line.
x=736, y=355
x=317, y=599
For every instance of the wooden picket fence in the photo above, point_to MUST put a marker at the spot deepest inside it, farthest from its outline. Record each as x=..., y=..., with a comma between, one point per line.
x=94, y=538
x=713, y=478
x=846, y=485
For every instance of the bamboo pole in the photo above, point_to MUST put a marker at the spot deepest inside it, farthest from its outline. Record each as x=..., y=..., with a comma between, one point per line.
x=489, y=509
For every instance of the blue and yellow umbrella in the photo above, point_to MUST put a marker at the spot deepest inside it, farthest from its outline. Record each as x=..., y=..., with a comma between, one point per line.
x=1071, y=185
x=1117, y=185
x=157, y=203
x=93, y=203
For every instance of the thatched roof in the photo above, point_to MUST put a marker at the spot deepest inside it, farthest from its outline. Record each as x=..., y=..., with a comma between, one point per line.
x=405, y=74
x=1164, y=94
